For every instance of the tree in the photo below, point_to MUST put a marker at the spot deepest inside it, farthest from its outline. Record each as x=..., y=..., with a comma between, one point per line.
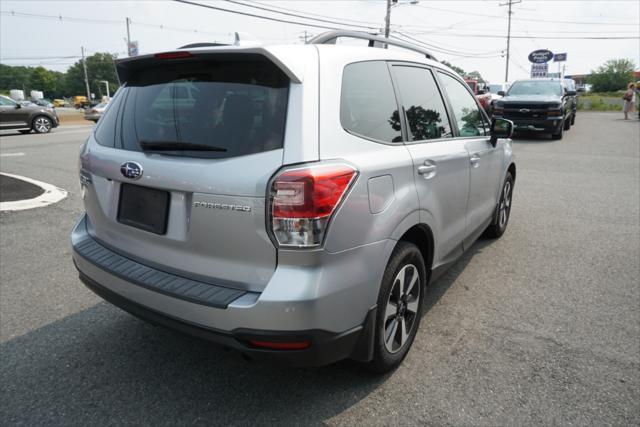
x=43, y=80
x=100, y=66
x=613, y=75
x=458, y=70
x=476, y=75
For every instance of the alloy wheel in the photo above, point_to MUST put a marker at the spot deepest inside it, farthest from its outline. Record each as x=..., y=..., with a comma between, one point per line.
x=505, y=205
x=402, y=308
x=42, y=125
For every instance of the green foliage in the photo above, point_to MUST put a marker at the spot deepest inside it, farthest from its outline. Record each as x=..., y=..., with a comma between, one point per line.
x=613, y=75
x=458, y=70
x=599, y=103
x=54, y=84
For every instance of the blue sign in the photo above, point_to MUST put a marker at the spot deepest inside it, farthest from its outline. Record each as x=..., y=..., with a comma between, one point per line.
x=559, y=57
x=540, y=56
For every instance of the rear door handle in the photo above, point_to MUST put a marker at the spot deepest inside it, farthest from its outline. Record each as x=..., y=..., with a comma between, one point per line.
x=475, y=160
x=427, y=170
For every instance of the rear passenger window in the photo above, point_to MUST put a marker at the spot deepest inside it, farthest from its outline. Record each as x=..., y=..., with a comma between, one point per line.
x=423, y=105
x=368, y=105
x=465, y=108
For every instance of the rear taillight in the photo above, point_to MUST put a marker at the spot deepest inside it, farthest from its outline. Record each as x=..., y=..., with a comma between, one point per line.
x=303, y=200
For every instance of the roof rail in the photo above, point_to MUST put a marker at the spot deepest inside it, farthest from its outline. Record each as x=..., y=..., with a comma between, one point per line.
x=330, y=37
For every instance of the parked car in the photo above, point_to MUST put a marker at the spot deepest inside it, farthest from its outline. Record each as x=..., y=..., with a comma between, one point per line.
x=539, y=105
x=43, y=102
x=14, y=115
x=94, y=113
x=288, y=222
x=496, y=88
x=480, y=91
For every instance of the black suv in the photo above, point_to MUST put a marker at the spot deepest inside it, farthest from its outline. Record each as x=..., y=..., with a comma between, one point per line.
x=539, y=105
x=26, y=118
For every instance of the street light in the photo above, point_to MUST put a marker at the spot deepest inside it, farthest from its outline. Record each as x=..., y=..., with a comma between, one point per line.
x=106, y=83
x=387, y=20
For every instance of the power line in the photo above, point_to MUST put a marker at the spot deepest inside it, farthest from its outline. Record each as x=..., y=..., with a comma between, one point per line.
x=316, y=14
x=299, y=15
x=636, y=24
x=286, y=21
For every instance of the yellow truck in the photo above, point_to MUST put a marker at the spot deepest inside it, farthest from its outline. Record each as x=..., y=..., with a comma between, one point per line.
x=80, y=101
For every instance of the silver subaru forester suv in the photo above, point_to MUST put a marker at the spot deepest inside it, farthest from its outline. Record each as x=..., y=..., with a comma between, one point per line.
x=292, y=202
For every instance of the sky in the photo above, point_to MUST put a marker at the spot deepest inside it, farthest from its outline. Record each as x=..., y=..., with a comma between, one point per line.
x=469, y=34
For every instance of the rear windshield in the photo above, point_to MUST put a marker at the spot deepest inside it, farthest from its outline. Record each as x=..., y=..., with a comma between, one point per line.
x=205, y=109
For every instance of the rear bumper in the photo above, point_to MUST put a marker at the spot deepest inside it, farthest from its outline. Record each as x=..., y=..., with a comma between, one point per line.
x=325, y=347
x=300, y=304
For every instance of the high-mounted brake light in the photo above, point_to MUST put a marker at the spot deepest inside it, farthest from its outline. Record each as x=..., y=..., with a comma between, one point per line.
x=173, y=55
x=303, y=200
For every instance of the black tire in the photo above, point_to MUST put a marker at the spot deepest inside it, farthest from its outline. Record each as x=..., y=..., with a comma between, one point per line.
x=573, y=119
x=499, y=225
x=406, y=260
x=24, y=130
x=567, y=123
x=41, y=124
x=560, y=134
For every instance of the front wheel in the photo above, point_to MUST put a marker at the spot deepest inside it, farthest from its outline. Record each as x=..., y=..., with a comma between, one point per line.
x=558, y=136
x=399, y=307
x=567, y=123
x=573, y=119
x=42, y=124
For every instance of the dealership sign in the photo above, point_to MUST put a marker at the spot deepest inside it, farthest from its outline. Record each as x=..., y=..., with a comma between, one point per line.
x=539, y=70
x=559, y=57
x=540, y=56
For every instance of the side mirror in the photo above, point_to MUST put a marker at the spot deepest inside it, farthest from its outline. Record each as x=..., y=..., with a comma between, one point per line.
x=501, y=93
x=500, y=128
x=18, y=105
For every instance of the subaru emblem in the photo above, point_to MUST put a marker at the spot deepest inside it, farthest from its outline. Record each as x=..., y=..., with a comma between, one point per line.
x=131, y=170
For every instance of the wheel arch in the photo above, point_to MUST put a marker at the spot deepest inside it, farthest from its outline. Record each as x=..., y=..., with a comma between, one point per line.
x=421, y=236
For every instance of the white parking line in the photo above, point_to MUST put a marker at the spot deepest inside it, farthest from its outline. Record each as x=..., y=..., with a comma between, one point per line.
x=51, y=195
x=11, y=154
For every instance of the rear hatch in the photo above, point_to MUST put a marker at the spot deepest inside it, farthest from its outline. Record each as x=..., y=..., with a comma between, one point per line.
x=180, y=162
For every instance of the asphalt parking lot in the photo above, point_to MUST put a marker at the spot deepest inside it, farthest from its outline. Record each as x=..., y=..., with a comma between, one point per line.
x=540, y=327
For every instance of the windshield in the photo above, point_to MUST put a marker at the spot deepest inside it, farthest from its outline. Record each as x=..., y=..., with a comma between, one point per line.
x=233, y=107
x=533, y=87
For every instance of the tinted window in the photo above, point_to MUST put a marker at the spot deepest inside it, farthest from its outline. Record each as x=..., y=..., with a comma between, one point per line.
x=423, y=105
x=105, y=132
x=465, y=108
x=206, y=108
x=368, y=105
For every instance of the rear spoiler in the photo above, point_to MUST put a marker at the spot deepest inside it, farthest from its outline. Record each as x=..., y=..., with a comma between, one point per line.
x=127, y=66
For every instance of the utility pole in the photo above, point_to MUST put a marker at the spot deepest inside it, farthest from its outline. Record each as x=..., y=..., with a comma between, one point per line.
x=86, y=79
x=387, y=19
x=509, y=3
x=128, y=38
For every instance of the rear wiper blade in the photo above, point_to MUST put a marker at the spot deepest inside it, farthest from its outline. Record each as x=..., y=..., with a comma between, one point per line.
x=177, y=146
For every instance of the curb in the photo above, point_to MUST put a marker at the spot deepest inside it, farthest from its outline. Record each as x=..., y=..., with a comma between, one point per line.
x=50, y=196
